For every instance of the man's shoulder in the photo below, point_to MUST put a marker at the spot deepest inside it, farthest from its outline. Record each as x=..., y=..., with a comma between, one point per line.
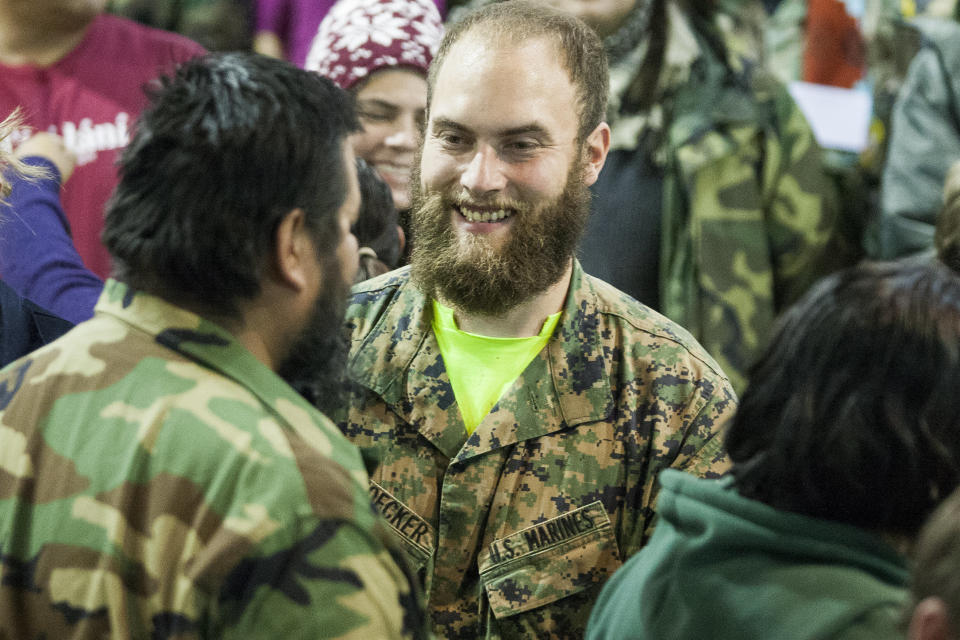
x=382, y=285
x=370, y=299
x=240, y=497
x=639, y=326
x=127, y=392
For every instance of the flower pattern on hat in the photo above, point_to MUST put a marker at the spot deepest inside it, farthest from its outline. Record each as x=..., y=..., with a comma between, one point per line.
x=359, y=37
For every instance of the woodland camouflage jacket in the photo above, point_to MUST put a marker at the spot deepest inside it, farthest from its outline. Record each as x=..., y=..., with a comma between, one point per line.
x=749, y=217
x=515, y=528
x=158, y=481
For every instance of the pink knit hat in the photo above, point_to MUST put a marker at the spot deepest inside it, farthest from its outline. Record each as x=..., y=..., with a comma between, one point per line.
x=358, y=37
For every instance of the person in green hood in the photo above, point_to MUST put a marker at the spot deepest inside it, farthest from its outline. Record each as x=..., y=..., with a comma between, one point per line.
x=846, y=440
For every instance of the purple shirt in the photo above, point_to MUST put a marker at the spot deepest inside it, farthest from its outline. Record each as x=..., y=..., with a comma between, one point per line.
x=37, y=256
x=296, y=23
x=91, y=97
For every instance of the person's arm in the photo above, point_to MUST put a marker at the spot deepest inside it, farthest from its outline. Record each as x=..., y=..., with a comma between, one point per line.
x=690, y=440
x=270, y=27
x=336, y=582
x=37, y=256
x=924, y=142
x=801, y=205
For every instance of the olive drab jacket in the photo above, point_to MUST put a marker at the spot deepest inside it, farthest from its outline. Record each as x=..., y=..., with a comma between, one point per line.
x=748, y=217
x=158, y=481
x=516, y=527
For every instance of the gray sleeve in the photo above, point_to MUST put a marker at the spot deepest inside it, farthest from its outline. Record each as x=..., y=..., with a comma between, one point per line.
x=924, y=142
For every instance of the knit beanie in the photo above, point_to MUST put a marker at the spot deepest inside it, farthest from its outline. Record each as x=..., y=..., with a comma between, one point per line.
x=359, y=37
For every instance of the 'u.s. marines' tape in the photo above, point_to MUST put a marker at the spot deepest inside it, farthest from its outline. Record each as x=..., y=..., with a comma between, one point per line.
x=550, y=533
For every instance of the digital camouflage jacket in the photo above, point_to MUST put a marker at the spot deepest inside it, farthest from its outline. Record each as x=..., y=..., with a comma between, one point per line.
x=516, y=528
x=748, y=216
x=158, y=481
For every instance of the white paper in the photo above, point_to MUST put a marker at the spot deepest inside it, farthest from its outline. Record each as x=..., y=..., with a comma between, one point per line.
x=840, y=118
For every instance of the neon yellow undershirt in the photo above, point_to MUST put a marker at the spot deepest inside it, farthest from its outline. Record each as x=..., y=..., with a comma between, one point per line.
x=481, y=368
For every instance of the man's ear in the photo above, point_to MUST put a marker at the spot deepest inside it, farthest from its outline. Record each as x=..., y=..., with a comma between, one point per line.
x=294, y=251
x=595, y=149
x=930, y=621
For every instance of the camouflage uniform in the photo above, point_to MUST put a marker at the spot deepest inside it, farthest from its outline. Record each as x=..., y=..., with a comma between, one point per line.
x=748, y=216
x=219, y=25
x=515, y=528
x=156, y=480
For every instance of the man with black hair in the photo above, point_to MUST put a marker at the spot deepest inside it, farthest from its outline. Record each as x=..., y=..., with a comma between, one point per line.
x=846, y=439
x=157, y=475
x=377, y=229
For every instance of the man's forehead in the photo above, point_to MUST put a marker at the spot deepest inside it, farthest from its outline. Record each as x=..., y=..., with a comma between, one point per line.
x=479, y=46
x=498, y=86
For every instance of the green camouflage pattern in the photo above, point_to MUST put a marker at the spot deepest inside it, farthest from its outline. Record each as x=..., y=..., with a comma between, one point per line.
x=158, y=481
x=515, y=528
x=749, y=217
x=219, y=25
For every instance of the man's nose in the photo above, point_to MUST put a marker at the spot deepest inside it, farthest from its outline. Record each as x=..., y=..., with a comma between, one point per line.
x=484, y=172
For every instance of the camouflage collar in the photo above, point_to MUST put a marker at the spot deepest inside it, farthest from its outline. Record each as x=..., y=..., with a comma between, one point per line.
x=214, y=348
x=567, y=384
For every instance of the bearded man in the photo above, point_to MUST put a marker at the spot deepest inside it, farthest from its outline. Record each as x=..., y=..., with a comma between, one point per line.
x=519, y=408
x=158, y=477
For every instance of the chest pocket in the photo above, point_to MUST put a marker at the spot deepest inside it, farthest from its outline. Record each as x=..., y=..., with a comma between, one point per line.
x=417, y=538
x=549, y=561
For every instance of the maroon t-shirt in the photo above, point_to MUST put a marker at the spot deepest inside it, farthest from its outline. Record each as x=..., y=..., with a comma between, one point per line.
x=92, y=97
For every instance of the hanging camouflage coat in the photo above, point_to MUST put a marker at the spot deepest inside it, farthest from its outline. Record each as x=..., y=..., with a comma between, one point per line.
x=748, y=216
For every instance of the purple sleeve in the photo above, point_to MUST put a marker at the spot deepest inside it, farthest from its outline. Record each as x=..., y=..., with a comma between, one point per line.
x=272, y=16
x=37, y=256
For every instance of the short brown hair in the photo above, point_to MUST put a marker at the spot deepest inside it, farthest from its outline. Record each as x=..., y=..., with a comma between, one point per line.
x=579, y=49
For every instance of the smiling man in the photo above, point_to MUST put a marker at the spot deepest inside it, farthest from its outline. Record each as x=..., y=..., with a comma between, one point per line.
x=519, y=408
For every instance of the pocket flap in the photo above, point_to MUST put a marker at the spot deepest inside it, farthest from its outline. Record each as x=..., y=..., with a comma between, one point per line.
x=549, y=561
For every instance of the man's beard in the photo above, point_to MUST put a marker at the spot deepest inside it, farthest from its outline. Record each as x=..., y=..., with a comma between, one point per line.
x=475, y=277
x=316, y=364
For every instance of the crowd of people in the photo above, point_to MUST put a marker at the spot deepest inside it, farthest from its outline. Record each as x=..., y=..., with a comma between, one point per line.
x=521, y=319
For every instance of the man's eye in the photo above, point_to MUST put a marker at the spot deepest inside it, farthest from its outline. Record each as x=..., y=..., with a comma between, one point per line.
x=372, y=116
x=521, y=147
x=451, y=140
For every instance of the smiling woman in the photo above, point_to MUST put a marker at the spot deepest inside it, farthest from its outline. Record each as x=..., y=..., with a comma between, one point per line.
x=380, y=52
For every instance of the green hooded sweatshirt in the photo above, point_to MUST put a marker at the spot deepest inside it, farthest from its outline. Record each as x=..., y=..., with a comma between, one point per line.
x=721, y=566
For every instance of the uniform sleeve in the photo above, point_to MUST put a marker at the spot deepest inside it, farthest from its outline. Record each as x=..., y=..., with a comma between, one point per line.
x=924, y=142
x=702, y=453
x=37, y=256
x=695, y=448
x=801, y=210
x=337, y=582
